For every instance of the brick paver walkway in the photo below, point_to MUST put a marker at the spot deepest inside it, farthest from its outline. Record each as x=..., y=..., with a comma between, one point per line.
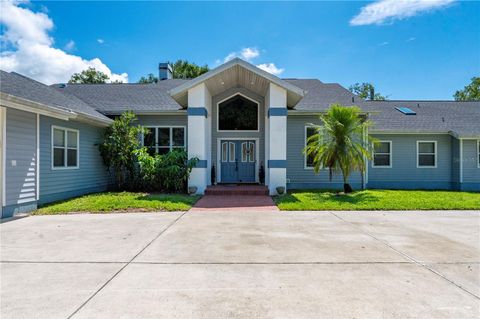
x=235, y=203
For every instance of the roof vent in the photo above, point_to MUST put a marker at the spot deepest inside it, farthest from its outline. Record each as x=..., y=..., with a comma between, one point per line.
x=405, y=110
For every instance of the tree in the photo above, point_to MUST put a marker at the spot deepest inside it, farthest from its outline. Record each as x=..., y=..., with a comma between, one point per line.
x=366, y=91
x=182, y=69
x=338, y=143
x=470, y=92
x=118, y=146
x=90, y=76
x=150, y=78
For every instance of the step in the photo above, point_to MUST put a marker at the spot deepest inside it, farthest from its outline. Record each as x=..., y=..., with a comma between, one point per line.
x=238, y=190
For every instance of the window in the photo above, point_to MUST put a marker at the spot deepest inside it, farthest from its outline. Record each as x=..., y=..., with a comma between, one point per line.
x=427, y=154
x=64, y=148
x=248, y=152
x=238, y=114
x=161, y=140
x=382, y=154
x=309, y=131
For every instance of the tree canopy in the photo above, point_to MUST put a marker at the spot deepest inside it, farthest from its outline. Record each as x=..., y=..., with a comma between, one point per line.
x=182, y=69
x=150, y=78
x=366, y=91
x=89, y=76
x=471, y=92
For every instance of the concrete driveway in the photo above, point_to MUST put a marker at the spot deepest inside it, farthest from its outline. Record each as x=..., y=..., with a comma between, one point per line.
x=242, y=265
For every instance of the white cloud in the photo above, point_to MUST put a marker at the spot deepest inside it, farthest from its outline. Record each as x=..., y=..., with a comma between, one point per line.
x=101, y=41
x=69, y=46
x=384, y=11
x=383, y=44
x=246, y=54
x=33, y=53
x=271, y=68
x=250, y=53
x=411, y=39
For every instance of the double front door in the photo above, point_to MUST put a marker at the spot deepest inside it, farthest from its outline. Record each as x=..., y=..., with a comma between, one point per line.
x=238, y=159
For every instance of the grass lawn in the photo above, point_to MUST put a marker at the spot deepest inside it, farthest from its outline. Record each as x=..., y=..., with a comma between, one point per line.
x=124, y=201
x=378, y=200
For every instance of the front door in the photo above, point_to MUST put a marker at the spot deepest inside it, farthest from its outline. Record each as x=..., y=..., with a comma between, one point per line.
x=237, y=161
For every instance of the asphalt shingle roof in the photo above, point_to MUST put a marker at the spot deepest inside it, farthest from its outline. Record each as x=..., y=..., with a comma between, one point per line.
x=117, y=98
x=319, y=96
x=462, y=118
x=23, y=87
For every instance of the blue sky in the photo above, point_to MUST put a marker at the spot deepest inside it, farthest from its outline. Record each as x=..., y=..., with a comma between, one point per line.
x=423, y=52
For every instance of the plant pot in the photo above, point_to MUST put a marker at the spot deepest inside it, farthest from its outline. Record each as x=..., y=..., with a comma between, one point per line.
x=192, y=190
x=280, y=190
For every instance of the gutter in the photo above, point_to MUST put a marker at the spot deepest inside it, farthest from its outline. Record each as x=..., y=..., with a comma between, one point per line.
x=22, y=104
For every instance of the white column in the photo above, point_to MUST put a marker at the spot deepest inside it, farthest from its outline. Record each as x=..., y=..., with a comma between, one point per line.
x=276, y=138
x=199, y=135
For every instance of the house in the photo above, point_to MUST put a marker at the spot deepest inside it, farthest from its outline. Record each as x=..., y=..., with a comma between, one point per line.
x=235, y=119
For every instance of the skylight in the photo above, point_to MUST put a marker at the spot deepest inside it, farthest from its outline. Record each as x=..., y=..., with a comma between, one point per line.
x=406, y=110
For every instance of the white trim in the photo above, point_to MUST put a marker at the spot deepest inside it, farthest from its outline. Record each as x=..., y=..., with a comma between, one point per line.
x=37, y=182
x=171, y=147
x=435, y=153
x=3, y=164
x=257, y=154
x=236, y=61
x=239, y=131
x=461, y=159
x=35, y=107
x=478, y=153
x=390, y=154
x=66, y=130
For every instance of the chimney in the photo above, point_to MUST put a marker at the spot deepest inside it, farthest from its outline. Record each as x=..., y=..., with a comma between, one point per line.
x=165, y=71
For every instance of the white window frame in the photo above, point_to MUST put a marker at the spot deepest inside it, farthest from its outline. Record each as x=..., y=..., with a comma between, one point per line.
x=435, y=154
x=240, y=131
x=478, y=153
x=390, y=154
x=65, y=130
x=170, y=143
x=305, y=145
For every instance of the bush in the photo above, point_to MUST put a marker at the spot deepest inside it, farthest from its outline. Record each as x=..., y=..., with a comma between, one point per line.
x=118, y=147
x=166, y=173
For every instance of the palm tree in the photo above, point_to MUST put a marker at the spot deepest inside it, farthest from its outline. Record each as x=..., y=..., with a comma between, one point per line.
x=340, y=143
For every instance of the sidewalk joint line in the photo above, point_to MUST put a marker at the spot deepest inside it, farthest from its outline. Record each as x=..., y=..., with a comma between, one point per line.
x=424, y=265
x=124, y=266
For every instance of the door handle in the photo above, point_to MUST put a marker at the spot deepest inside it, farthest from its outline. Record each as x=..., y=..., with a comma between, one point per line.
x=236, y=164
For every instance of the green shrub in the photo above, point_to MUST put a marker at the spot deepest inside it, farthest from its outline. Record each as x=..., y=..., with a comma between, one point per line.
x=120, y=141
x=167, y=172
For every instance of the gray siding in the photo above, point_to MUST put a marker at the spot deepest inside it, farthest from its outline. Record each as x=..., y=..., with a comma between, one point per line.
x=404, y=172
x=163, y=120
x=297, y=174
x=21, y=157
x=218, y=135
x=471, y=171
x=91, y=176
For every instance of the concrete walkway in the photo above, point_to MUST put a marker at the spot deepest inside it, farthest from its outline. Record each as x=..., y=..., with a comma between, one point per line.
x=242, y=264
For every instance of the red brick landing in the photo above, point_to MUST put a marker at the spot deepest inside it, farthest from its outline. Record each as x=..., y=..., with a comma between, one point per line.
x=236, y=190
x=235, y=198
